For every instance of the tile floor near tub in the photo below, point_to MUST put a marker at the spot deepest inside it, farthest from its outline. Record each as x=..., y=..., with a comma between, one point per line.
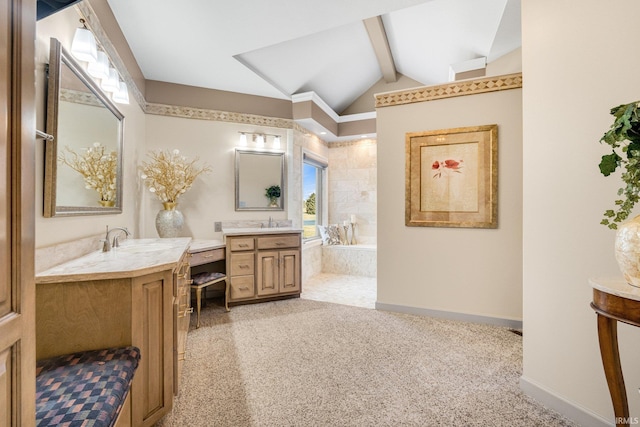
x=358, y=291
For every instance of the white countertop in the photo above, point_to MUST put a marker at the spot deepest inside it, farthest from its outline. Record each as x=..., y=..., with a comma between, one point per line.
x=134, y=257
x=258, y=230
x=616, y=286
x=199, y=245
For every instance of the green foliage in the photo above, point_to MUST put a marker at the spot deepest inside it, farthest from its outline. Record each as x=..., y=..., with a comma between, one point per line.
x=273, y=191
x=310, y=204
x=624, y=139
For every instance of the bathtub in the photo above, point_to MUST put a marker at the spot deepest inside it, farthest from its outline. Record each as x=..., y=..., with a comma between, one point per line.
x=354, y=260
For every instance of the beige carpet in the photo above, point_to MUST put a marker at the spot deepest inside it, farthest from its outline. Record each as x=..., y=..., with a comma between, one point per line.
x=310, y=363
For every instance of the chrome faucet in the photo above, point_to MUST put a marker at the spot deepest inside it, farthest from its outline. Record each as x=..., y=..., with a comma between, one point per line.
x=270, y=222
x=106, y=247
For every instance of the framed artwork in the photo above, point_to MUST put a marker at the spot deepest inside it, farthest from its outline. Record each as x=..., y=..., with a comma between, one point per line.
x=451, y=178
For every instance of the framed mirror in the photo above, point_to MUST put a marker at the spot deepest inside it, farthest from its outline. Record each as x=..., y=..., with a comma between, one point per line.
x=259, y=173
x=83, y=162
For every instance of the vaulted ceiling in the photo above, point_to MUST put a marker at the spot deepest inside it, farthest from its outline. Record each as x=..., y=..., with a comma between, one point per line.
x=279, y=48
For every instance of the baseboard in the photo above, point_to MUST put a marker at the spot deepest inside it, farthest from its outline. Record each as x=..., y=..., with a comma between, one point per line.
x=574, y=412
x=451, y=315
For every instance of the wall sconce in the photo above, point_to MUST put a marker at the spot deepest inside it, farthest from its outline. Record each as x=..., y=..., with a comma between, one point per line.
x=84, y=47
x=260, y=140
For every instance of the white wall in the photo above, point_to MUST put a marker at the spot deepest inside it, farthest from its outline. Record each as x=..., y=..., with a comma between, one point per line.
x=50, y=231
x=579, y=60
x=462, y=270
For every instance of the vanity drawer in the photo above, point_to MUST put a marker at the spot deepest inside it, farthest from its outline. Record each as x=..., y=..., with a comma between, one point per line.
x=242, y=264
x=242, y=287
x=277, y=242
x=241, y=244
x=205, y=257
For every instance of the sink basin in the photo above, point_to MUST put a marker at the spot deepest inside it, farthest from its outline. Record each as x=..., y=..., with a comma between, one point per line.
x=139, y=249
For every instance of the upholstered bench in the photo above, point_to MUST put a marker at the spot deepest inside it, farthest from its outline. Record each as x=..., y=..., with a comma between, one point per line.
x=84, y=389
x=201, y=281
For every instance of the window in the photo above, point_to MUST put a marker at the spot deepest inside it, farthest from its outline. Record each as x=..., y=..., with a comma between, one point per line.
x=313, y=172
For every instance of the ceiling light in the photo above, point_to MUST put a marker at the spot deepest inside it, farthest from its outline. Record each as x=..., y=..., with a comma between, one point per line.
x=100, y=68
x=83, y=46
x=111, y=83
x=121, y=96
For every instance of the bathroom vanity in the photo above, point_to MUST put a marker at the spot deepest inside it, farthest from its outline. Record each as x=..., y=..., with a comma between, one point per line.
x=263, y=263
x=137, y=294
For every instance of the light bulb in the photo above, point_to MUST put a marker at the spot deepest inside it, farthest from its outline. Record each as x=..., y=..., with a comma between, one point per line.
x=243, y=139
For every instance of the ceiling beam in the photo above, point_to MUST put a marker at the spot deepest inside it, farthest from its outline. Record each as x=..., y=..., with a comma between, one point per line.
x=380, y=44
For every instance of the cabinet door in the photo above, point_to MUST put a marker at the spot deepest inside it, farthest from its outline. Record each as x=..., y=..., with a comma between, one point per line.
x=17, y=213
x=152, y=332
x=289, y=263
x=268, y=273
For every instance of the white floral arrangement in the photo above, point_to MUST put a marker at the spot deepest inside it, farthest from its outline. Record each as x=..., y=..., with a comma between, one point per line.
x=169, y=175
x=98, y=168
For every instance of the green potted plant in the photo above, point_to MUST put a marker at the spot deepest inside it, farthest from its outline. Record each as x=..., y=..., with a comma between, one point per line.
x=624, y=139
x=273, y=193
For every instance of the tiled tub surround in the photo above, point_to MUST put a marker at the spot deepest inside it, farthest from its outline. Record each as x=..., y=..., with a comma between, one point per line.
x=353, y=186
x=353, y=260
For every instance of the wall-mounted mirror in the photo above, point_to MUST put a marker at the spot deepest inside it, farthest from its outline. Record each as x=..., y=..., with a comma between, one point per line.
x=83, y=162
x=257, y=171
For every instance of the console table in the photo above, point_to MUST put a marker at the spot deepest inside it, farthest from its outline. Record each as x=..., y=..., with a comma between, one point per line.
x=614, y=300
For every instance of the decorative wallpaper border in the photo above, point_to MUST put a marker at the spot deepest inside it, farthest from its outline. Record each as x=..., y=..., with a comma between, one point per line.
x=450, y=90
x=352, y=142
x=215, y=115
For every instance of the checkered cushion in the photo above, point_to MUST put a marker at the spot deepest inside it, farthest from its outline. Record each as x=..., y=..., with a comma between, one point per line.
x=202, y=278
x=84, y=389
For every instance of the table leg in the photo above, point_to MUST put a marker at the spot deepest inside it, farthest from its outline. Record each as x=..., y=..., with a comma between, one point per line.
x=198, y=301
x=608, y=338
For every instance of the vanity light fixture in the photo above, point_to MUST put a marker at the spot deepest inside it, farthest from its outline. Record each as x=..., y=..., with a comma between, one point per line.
x=260, y=140
x=83, y=45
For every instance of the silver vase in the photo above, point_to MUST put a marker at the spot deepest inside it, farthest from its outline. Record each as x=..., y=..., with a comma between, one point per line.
x=169, y=220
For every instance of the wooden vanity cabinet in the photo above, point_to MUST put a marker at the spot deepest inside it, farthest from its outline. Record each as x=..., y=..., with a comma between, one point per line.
x=264, y=266
x=181, y=317
x=94, y=314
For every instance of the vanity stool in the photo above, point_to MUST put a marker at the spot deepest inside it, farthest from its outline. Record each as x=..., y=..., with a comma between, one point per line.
x=201, y=281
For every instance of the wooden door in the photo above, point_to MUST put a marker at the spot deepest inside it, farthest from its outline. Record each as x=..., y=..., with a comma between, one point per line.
x=17, y=212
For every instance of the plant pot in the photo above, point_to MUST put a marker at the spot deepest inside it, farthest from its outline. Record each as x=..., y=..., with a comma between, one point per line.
x=107, y=203
x=273, y=202
x=627, y=250
x=169, y=221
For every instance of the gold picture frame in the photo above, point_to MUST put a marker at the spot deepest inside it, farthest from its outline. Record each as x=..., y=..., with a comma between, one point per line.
x=451, y=178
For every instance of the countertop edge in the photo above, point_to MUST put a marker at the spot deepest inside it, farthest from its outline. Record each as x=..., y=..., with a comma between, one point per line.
x=81, y=274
